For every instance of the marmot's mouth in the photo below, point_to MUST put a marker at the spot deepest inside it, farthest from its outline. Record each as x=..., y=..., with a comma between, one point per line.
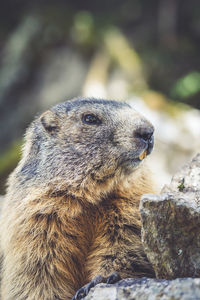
x=129, y=160
x=148, y=150
x=143, y=155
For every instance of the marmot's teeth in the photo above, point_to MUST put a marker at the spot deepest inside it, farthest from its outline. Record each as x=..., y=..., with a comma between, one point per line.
x=143, y=155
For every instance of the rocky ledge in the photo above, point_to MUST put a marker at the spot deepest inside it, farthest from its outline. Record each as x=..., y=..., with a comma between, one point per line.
x=147, y=289
x=171, y=225
x=171, y=238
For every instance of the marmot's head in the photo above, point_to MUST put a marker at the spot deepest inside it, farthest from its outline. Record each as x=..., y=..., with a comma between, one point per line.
x=86, y=143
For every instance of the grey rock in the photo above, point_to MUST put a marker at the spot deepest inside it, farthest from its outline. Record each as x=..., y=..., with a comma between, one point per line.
x=171, y=225
x=147, y=289
x=187, y=180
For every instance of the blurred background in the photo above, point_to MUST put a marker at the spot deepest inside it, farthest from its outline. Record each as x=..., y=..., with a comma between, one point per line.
x=144, y=52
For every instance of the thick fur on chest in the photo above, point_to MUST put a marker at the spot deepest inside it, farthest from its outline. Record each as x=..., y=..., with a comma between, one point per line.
x=67, y=242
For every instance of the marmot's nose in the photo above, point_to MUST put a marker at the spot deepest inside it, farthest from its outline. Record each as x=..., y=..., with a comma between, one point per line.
x=144, y=133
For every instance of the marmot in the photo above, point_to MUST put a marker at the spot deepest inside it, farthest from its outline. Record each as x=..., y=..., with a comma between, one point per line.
x=71, y=209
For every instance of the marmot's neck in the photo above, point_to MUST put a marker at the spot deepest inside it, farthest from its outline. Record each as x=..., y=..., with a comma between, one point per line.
x=61, y=197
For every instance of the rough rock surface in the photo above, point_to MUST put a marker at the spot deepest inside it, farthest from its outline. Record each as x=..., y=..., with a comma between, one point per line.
x=171, y=225
x=147, y=289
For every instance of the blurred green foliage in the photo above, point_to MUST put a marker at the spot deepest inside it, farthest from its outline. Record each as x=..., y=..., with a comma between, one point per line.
x=10, y=157
x=8, y=160
x=186, y=86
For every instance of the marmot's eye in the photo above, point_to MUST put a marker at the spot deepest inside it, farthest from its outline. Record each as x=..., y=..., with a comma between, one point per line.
x=91, y=119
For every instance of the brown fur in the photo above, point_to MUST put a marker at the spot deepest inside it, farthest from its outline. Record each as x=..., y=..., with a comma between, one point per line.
x=57, y=234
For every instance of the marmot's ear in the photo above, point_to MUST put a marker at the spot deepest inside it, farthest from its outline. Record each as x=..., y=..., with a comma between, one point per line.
x=50, y=121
